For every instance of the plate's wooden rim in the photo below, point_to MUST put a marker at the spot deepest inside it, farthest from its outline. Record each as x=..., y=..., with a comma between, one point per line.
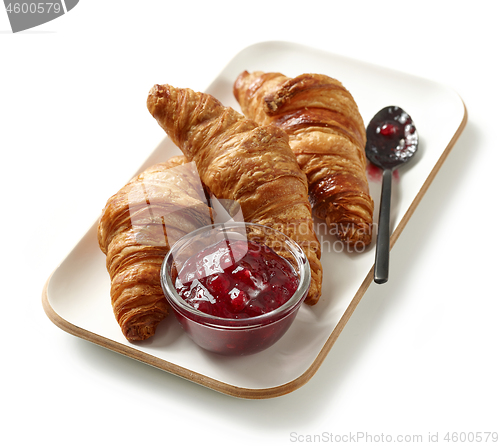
x=241, y=392
x=198, y=378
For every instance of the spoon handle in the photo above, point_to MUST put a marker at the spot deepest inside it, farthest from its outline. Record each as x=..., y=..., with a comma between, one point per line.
x=381, y=274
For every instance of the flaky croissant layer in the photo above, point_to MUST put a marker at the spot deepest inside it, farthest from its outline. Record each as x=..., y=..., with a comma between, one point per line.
x=328, y=137
x=137, y=228
x=239, y=160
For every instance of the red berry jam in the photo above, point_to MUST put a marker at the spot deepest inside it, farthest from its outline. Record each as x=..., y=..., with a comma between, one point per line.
x=388, y=129
x=391, y=137
x=236, y=279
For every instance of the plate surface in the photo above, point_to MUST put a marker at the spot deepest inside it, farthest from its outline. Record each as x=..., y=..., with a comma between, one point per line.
x=82, y=307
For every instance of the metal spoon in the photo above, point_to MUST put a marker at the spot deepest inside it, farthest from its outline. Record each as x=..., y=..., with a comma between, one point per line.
x=392, y=140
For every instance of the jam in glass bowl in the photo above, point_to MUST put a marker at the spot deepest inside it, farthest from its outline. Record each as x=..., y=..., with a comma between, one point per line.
x=235, y=288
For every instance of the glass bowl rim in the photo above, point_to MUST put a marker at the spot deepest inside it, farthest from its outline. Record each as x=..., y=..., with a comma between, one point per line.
x=179, y=305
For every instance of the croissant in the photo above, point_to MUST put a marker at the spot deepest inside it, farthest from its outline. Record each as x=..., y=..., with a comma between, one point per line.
x=239, y=160
x=328, y=137
x=137, y=227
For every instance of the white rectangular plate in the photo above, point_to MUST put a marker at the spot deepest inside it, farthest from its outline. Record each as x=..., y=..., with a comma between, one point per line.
x=76, y=296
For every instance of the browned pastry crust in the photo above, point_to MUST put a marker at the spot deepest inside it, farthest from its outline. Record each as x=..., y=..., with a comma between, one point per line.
x=241, y=161
x=136, y=228
x=328, y=137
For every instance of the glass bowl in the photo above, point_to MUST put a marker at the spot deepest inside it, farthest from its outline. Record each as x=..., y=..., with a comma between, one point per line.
x=235, y=336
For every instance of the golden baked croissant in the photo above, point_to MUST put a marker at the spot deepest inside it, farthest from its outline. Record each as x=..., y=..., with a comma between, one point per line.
x=328, y=137
x=241, y=161
x=135, y=231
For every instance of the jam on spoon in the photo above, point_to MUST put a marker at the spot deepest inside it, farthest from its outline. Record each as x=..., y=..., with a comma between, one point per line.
x=392, y=140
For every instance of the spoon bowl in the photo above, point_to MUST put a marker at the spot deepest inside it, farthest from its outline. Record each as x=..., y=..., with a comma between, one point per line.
x=392, y=140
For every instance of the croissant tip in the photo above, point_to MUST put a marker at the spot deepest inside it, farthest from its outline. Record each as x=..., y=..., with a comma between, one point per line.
x=238, y=83
x=356, y=237
x=312, y=299
x=139, y=332
x=158, y=91
x=242, y=75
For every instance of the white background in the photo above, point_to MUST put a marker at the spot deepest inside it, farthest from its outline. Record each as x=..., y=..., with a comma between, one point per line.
x=420, y=354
